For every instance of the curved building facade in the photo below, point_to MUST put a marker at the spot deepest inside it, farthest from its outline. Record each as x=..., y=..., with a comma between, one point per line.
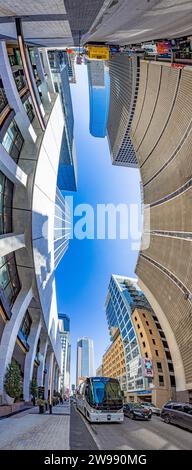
x=124, y=81
x=161, y=134
x=32, y=123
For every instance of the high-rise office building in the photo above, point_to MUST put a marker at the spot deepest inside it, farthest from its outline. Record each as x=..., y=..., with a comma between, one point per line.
x=99, y=90
x=85, y=359
x=113, y=361
x=69, y=59
x=32, y=129
x=161, y=140
x=149, y=373
x=64, y=326
x=124, y=82
x=99, y=371
x=67, y=172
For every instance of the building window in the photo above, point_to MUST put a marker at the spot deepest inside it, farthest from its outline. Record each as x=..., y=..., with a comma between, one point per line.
x=131, y=334
x=156, y=352
x=6, y=195
x=13, y=141
x=144, y=345
x=138, y=326
x=144, y=315
x=165, y=345
x=150, y=331
x=161, y=380
x=141, y=334
x=9, y=280
x=159, y=366
x=147, y=323
x=170, y=366
x=154, y=342
x=26, y=326
x=29, y=109
x=146, y=354
x=172, y=380
x=135, y=318
x=162, y=334
x=168, y=355
x=3, y=98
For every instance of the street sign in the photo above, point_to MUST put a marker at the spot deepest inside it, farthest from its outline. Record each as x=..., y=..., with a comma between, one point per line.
x=98, y=52
x=163, y=47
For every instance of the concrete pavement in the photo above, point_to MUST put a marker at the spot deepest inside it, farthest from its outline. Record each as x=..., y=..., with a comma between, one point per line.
x=32, y=431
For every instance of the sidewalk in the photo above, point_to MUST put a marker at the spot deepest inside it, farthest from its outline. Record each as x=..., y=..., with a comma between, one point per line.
x=29, y=430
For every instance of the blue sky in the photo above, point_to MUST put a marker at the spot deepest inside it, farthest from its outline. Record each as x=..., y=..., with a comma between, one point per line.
x=83, y=275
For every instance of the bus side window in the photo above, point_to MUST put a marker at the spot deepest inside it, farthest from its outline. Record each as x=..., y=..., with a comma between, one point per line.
x=90, y=395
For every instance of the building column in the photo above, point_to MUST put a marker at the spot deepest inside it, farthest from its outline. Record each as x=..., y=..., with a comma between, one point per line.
x=41, y=368
x=47, y=377
x=56, y=379
x=11, y=242
x=13, y=96
x=53, y=376
x=40, y=71
x=11, y=330
x=30, y=356
x=47, y=69
x=10, y=169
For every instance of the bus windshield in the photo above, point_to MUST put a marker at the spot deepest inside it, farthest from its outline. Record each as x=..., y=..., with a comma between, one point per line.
x=106, y=391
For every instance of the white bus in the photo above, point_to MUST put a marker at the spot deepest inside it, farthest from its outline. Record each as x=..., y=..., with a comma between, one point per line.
x=100, y=400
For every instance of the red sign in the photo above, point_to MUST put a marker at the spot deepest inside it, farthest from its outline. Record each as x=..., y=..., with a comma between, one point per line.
x=163, y=47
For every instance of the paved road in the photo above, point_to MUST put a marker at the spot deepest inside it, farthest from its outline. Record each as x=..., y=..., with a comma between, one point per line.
x=80, y=438
x=131, y=22
x=140, y=435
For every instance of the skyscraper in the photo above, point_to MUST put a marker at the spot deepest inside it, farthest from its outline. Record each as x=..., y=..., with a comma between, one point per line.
x=148, y=372
x=124, y=82
x=99, y=89
x=67, y=172
x=30, y=247
x=85, y=359
x=64, y=325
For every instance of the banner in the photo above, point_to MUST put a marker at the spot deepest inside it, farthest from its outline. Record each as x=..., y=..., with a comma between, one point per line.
x=148, y=367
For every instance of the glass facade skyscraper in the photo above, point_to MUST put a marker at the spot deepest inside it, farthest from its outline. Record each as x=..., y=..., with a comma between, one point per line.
x=123, y=297
x=67, y=171
x=99, y=92
x=64, y=324
x=84, y=359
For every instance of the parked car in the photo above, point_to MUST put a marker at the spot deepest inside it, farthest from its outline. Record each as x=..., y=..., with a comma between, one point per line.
x=155, y=410
x=178, y=413
x=135, y=410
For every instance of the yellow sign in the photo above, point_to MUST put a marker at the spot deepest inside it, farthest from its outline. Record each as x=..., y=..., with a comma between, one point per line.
x=98, y=52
